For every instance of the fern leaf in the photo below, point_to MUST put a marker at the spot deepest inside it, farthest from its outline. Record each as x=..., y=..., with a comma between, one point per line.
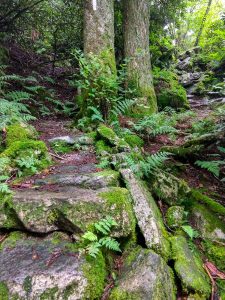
x=110, y=243
x=90, y=236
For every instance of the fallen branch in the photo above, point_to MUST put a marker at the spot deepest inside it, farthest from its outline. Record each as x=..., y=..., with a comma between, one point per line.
x=56, y=156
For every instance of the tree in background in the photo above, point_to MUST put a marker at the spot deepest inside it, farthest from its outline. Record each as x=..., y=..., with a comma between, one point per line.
x=209, y=4
x=136, y=50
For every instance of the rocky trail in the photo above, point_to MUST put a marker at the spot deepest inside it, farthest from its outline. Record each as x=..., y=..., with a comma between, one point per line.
x=48, y=213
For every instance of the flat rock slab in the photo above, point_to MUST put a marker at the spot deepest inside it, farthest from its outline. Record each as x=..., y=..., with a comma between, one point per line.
x=94, y=181
x=145, y=276
x=33, y=269
x=189, y=268
x=71, y=140
x=71, y=210
x=147, y=214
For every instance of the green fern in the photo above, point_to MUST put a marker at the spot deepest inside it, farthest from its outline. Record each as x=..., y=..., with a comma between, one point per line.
x=148, y=166
x=212, y=166
x=156, y=124
x=93, y=242
x=122, y=107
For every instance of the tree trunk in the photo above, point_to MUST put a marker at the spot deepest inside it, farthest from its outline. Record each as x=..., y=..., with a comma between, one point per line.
x=99, y=29
x=136, y=49
x=203, y=22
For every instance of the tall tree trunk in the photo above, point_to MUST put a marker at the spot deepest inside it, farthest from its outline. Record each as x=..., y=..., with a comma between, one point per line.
x=203, y=22
x=99, y=29
x=136, y=49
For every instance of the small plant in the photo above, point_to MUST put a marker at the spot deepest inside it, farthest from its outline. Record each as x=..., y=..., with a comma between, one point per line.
x=94, y=241
x=28, y=163
x=4, y=188
x=156, y=124
x=148, y=166
x=212, y=166
x=190, y=231
x=103, y=96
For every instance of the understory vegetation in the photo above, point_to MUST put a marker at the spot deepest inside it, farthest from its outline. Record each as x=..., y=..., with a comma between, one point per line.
x=116, y=184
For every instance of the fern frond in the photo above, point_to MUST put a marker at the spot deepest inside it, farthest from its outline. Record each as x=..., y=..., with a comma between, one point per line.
x=110, y=243
x=211, y=166
x=90, y=236
x=94, y=249
x=122, y=107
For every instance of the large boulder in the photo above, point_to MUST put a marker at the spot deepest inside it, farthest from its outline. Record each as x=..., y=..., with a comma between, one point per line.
x=144, y=276
x=69, y=209
x=189, y=268
x=90, y=180
x=147, y=214
x=33, y=268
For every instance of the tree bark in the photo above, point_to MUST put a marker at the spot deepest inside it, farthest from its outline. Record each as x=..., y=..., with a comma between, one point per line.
x=203, y=23
x=99, y=28
x=136, y=49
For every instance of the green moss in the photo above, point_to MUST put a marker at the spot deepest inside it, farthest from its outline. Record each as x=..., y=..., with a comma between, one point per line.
x=119, y=200
x=16, y=148
x=95, y=272
x=175, y=216
x=118, y=294
x=107, y=133
x=215, y=253
x=49, y=294
x=69, y=291
x=113, y=176
x=206, y=222
x=189, y=267
x=210, y=203
x=221, y=286
x=169, y=188
x=61, y=147
x=102, y=148
x=133, y=140
x=92, y=135
x=19, y=132
x=11, y=240
x=4, y=291
x=168, y=90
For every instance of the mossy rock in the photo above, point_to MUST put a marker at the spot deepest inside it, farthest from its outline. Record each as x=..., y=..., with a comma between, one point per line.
x=175, y=216
x=168, y=90
x=111, y=138
x=70, y=209
x=133, y=140
x=147, y=214
x=144, y=276
x=210, y=225
x=189, y=268
x=69, y=276
x=19, y=132
x=215, y=253
x=102, y=148
x=169, y=188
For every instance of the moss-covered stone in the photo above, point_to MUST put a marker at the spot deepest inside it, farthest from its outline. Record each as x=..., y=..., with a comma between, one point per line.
x=102, y=148
x=49, y=294
x=110, y=137
x=133, y=140
x=175, y=216
x=147, y=214
x=168, y=90
x=118, y=200
x=221, y=287
x=95, y=273
x=215, y=253
x=144, y=274
x=208, y=202
x=169, y=188
x=207, y=223
x=189, y=267
x=11, y=240
x=19, y=132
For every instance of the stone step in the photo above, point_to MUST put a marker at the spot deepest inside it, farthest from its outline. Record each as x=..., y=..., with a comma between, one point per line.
x=70, y=209
x=94, y=181
x=33, y=268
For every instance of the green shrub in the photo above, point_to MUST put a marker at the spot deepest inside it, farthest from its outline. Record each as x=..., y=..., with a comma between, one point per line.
x=168, y=90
